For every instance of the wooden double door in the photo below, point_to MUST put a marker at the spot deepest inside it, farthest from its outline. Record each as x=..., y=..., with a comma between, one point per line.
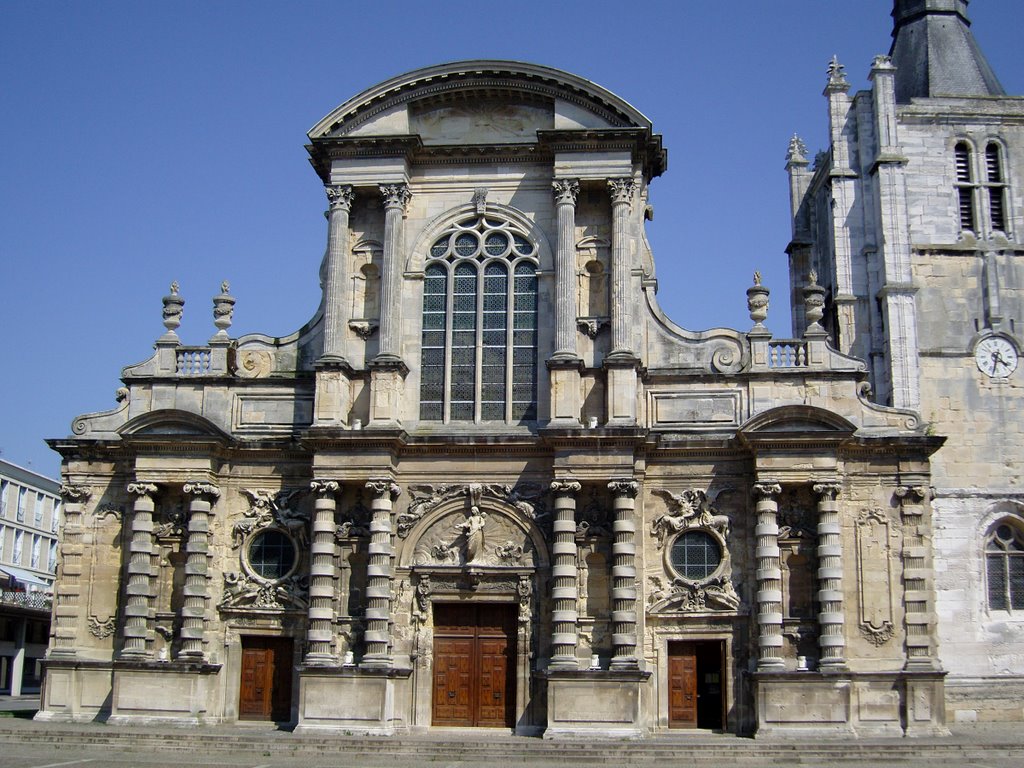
x=696, y=684
x=474, y=664
x=266, y=689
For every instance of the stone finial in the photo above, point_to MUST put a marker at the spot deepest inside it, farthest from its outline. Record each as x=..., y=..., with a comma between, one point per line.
x=223, y=309
x=173, y=309
x=757, y=302
x=814, y=303
x=882, y=62
x=797, y=152
x=837, y=76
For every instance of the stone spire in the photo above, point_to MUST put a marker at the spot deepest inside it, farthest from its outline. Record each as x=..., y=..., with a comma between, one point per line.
x=935, y=52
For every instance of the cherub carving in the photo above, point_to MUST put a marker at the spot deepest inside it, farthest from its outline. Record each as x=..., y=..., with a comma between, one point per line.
x=689, y=509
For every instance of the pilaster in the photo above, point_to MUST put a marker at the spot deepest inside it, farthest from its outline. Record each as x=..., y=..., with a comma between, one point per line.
x=139, y=589
x=624, y=613
x=918, y=581
x=380, y=574
x=769, y=577
x=197, y=577
x=68, y=585
x=322, y=576
x=831, y=631
x=565, y=589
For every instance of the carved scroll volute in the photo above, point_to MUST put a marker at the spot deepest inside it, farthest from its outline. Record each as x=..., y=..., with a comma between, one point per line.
x=827, y=491
x=629, y=488
x=209, y=491
x=912, y=499
x=75, y=494
x=561, y=487
x=324, y=487
x=766, y=490
x=381, y=486
x=142, y=489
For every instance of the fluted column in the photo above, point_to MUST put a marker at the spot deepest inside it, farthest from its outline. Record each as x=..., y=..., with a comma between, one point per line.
x=624, y=574
x=336, y=280
x=769, y=577
x=396, y=198
x=68, y=585
x=379, y=573
x=918, y=586
x=566, y=303
x=139, y=589
x=322, y=574
x=197, y=577
x=565, y=588
x=622, y=192
x=831, y=635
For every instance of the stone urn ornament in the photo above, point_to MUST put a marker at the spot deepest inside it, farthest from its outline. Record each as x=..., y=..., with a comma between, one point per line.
x=173, y=309
x=223, y=309
x=814, y=302
x=757, y=302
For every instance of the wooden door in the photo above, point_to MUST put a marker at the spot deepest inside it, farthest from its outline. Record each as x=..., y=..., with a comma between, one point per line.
x=682, y=685
x=473, y=671
x=266, y=686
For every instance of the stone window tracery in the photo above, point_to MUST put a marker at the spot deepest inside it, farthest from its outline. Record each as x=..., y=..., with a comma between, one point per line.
x=479, y=337
x=1004, y=567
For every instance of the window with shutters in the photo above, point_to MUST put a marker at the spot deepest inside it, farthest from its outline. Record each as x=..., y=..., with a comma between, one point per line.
x=965, y=185
x=1004, y=567
x=995, y=187
x=479, y=339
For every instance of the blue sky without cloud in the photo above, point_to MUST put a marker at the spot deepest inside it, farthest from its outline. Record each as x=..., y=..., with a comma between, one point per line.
x=142, y=143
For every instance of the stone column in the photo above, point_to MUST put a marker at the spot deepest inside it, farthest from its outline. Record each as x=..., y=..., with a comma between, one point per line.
x=68, y=585
x=566, y=303
x=139, y=589
x=564, y=591
x=624, y=574
x=336, y=278
x=622, y=191
x=831, y=634
x=769, y=577
x=918, y=587
x=396, y=198
x=197, y=577
x=379, y=573
x=18, y=660
x=322, y=574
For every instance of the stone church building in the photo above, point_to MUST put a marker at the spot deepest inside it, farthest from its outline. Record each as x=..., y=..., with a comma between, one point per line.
x=491, y=484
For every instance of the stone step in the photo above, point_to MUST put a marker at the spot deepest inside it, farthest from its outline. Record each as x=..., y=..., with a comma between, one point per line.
x=696, y=750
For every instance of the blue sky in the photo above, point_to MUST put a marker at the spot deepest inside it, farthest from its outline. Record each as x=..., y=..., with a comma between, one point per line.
x=146, y=142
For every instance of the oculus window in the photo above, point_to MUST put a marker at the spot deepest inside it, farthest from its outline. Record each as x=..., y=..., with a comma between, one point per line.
x=695, y=555
x=479, y=342
x=272, y=555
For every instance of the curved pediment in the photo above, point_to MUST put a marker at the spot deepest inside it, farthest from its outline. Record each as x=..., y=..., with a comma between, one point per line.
x=508, y=99
x=169, y=422
x=797, y=418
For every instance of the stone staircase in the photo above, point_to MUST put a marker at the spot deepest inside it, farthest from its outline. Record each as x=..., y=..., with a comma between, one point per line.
x=498, y=748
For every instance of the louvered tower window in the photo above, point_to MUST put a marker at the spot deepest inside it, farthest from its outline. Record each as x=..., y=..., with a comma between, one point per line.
x=479, y=342
x=996, y=186
x=1004, y=566
x=965, y=185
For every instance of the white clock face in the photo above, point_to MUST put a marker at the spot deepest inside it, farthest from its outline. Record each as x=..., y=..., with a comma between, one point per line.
x=996, y=357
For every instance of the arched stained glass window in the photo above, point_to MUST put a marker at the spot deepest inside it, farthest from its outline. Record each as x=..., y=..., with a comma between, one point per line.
x=1004, y=564
x=479, y=342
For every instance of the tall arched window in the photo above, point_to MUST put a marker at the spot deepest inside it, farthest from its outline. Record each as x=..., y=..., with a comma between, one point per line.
x=1004, y=566
x=965, y=185
x=996, y=185
x=479, y=343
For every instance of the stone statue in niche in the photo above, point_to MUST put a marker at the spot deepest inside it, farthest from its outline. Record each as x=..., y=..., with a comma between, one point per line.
x=473, y=532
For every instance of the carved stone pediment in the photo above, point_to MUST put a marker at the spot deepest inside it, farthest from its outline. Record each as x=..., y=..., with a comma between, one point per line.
x=475, y=537
x=526, y=497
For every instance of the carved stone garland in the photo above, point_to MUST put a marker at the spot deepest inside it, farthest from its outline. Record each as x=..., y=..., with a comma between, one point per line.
x=874, y=562
x=247, y=591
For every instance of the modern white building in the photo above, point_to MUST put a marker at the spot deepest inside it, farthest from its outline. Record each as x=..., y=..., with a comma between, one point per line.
x=30, y=508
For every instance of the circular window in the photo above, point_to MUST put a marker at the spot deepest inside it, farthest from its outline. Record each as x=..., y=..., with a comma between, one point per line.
x=272, y=555
x=695, y=555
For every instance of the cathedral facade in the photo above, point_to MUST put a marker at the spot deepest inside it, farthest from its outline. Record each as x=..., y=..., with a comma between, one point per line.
x=491, y=484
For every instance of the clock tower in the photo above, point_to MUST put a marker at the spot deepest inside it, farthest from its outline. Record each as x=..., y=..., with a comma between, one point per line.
x=913, y=221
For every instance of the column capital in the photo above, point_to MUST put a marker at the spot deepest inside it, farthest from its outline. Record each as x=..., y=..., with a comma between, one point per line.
x=624, y=487
x=75, y=494
x=199, y=488
x=339, y=196
x=766, y=489
x=622, y=190
x=565, y=191
x=912, y=494
x=565, y=487
x=322, y=487
x=828, y=490
x=380, y=486
x=142, y=489
x=395, y=195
